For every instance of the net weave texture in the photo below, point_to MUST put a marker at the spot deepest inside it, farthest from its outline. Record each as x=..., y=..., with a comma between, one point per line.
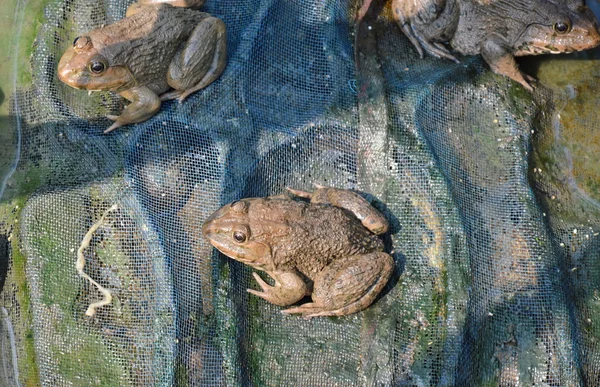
x=493, y=228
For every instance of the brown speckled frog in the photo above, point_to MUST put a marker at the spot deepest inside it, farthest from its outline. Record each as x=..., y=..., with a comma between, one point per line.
x=499, y=30
x=158, y=46
x=327, y=248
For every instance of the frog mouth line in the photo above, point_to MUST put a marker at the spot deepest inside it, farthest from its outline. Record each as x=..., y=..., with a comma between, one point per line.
x=220, y=242
x=543, y=50
x=533, y=45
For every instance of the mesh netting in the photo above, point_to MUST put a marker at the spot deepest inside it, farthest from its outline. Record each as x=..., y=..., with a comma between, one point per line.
x=492, y=194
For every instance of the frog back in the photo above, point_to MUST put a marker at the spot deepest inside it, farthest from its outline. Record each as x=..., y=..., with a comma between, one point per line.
x=146, y=41
x=320, y=235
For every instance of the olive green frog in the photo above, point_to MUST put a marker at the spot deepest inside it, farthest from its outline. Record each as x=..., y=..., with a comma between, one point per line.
x=161, y=50
x=499, y=30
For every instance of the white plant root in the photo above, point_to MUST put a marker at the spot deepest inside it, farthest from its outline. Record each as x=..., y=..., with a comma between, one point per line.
x=85, y=243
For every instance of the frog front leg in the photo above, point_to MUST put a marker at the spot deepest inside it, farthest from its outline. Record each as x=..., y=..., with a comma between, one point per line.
x=348, y=200
x=289, y=288
x=144, y=104
x=200, y=62
x=348, y=286
x=502, y=62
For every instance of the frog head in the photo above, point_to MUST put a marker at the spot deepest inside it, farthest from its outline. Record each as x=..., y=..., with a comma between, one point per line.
x=82, y=66
x=555, y=28
x=246, y=231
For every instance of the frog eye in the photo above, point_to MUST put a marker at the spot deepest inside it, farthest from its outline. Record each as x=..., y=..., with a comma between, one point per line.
x=97, y=67
x=239, y=236
x=562, y=27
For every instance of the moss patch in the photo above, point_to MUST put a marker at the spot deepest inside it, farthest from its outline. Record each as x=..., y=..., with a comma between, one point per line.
x=567, y=149
x=10, y=212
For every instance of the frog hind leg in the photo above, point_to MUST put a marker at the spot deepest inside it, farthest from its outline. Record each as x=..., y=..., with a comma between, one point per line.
x=175, y=3
x=144, y=104
x=201, y=60
x=439, y=14
x=404, y=23
x=140, y=4
x=502, y=62
x=348, y=286
x=435, y=49
x=369, y=216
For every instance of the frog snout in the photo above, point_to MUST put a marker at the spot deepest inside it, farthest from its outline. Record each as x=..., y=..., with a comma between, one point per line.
x=65, y=73
x=70, y=76
x=206, y=228
x=65, y=70
x=210, y=227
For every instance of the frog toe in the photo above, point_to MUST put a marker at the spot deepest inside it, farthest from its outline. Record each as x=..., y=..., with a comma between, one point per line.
x=117, y=124
x=270, y=295
x=186, y=94
x=173, y=94
x=289, y=288
x=529, y=87
x=444, y=53
x=299, y=193
x=263, y=285
x=260, y=294
x=312, y=309
x=438, y=50
x=307, y=310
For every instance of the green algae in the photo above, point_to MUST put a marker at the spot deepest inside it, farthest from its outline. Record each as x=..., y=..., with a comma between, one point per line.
x=19, y=25
x=85, y=359
x=19, y=187
x=567, y=150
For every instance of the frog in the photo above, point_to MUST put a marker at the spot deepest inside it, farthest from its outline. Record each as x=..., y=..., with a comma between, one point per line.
x=499, y=30
x=161, y=50
x=324, y=244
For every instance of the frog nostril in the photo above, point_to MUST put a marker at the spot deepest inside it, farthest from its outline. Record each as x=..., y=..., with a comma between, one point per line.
x=206, y=229
x=64, y=73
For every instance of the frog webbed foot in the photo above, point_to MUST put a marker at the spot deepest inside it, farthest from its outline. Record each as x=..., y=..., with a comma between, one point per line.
x=438, y=17
x=289, y=288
